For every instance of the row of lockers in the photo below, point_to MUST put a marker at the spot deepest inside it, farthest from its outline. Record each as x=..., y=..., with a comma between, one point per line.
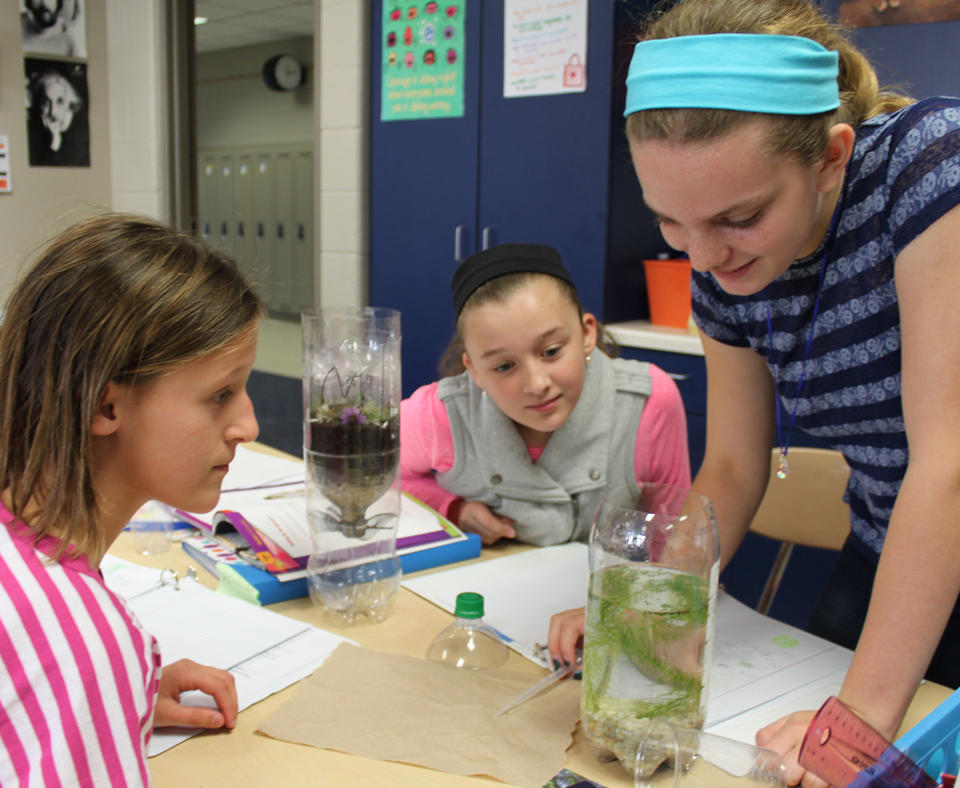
x=258, y=206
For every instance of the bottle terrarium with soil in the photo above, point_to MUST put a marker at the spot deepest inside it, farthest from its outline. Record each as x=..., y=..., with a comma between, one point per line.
x=351, y=390
x=654, y=562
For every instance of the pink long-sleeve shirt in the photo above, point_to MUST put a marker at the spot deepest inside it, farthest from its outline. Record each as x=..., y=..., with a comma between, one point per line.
x=426, y=441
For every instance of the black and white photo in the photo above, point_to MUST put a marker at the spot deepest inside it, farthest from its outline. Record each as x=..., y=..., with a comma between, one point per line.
x=58, y=132
x=53, y=27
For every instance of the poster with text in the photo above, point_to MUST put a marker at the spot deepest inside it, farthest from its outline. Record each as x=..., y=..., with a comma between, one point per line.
x=422, y=59
x=544, y=47
x=53, y=28
x=58, y=129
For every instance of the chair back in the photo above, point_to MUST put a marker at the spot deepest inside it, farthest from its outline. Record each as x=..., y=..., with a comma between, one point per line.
x=806, y=508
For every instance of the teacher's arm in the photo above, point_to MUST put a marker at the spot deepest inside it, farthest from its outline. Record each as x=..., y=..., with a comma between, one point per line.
x=918, y=578
x=740, y=418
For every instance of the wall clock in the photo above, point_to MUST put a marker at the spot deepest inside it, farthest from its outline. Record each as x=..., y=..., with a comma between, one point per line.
x=283, y=72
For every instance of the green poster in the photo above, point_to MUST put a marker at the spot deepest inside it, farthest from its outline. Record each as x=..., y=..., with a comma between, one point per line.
x=422, y=59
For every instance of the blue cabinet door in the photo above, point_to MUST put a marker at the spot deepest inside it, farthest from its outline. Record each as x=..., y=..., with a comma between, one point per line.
x=524, y=170
x=545, y=159
x=423, y=187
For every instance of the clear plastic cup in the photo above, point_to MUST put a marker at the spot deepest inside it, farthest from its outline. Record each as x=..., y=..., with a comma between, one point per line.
x=151, y=536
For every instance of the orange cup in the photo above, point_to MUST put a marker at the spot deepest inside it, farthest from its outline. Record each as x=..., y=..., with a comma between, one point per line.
x=668, y=291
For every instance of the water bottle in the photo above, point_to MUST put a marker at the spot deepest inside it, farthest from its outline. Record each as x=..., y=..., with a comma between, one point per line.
x=351, y=388
x=468, y=642
x=654, y=561
x=671, y=756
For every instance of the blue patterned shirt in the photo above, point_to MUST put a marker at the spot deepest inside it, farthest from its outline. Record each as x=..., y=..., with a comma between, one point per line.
x=904, y=175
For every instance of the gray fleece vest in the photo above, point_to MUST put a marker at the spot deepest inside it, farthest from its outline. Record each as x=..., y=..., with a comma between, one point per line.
x=553, y=500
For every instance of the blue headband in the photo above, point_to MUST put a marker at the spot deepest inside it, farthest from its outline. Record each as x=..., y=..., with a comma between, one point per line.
x=781, y=75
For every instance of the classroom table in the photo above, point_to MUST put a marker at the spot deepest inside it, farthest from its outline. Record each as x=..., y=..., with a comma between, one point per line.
x=243, y=757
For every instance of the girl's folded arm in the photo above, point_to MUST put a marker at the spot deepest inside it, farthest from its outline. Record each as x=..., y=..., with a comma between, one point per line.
x=426, y=448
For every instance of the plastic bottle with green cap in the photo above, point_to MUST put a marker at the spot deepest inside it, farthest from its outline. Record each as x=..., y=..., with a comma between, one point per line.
x=468, y=642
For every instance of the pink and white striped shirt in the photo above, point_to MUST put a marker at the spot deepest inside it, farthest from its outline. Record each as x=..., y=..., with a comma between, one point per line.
x=78, y=675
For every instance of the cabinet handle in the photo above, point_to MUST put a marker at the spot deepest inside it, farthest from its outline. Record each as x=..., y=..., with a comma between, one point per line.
x=487, y=232
x=678, y=376
x=458, y=243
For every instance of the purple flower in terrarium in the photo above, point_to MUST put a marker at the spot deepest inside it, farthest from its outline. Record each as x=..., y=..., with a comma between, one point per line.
x=353, y=415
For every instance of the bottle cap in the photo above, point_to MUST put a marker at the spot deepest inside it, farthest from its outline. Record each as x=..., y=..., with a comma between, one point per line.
x=469, y=605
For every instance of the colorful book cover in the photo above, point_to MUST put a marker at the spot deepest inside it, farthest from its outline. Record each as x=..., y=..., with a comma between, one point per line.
x=273, y=557
x=280, y=543
x=278, y=532
x=261, y=587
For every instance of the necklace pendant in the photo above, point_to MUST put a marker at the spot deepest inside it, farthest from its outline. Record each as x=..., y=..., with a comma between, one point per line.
x=783, y=470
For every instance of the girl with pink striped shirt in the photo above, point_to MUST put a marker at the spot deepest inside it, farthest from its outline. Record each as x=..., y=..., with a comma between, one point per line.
x=124, y=356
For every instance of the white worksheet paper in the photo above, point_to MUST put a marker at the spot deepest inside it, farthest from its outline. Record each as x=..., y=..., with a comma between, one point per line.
x=520, y=592
x=265, y=651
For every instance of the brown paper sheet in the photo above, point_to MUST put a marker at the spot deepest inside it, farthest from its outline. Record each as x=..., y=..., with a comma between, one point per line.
x=399, y=708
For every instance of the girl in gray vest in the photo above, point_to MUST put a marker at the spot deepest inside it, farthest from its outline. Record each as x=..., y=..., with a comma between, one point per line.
x=539, y=421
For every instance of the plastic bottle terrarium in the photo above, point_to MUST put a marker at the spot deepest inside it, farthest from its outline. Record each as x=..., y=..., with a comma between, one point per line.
x=654, y=561
x=352, y=394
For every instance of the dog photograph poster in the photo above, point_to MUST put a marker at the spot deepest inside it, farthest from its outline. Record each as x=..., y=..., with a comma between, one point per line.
x=58, y=130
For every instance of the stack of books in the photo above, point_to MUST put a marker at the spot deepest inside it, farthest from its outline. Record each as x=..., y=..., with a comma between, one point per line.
x=257, y=541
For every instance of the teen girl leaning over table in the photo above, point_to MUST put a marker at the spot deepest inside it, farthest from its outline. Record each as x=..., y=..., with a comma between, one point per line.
x=522, y=442
x=821, y=219
x=124, y=355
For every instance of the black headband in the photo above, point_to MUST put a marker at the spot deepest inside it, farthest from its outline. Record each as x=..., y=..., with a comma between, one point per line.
x=500, y=260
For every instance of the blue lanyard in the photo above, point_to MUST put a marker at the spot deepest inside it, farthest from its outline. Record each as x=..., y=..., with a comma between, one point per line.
x=783, y=470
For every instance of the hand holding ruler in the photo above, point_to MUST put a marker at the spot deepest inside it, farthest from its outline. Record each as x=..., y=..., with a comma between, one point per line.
x=843, y=750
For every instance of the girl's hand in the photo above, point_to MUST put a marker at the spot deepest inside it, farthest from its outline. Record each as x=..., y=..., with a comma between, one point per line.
x=566, y=633
x=185, y=675
x=785, y=737
x=477, y=518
